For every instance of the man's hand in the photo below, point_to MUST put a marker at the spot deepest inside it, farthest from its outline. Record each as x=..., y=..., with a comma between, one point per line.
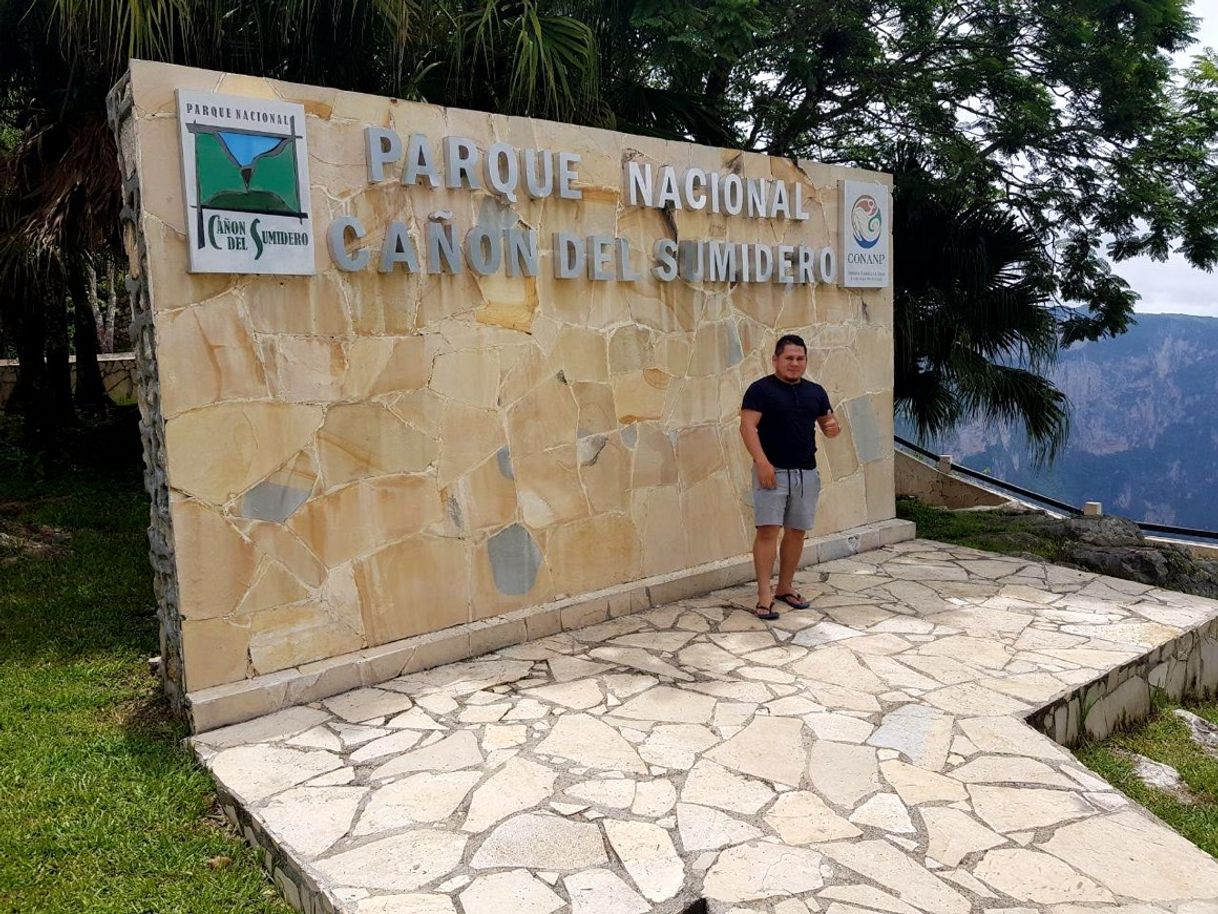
x=766, y=476
x=828, y=425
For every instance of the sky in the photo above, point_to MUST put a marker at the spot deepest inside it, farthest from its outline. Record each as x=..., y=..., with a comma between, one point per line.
x=1173, y=286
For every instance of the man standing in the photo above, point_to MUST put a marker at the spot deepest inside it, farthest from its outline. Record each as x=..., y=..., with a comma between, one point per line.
x=777, y=422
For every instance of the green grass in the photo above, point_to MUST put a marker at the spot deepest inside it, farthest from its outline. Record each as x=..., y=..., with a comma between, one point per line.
x=101, y=808
x=1165, y=738
x=1005, y=533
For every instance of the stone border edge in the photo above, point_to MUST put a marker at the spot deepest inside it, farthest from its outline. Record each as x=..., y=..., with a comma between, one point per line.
x=1185, y=666
x=120, y=114
x=233, y=703
x=299, y=888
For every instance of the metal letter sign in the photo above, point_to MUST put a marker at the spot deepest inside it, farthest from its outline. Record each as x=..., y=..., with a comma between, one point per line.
x=245, y=166
x=866, y=220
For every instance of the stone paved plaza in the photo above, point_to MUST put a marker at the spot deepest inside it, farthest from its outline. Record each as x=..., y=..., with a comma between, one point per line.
x=866, y=755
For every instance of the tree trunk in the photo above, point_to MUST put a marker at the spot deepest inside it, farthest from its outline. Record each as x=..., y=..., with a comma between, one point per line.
x=99, y=319
x=30, y=395
x=111, y=308
x=59, y=367
x=90, y=388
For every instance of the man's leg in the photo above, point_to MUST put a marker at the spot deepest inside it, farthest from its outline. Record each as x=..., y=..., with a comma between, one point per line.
x=788, y=558
x=798, y=520
x=765, y=549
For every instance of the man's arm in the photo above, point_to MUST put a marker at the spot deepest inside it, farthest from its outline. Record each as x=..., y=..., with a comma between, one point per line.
x=828, y=425
x=749, y=419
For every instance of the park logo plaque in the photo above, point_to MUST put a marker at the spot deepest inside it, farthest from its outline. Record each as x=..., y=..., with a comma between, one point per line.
x=864, y=216
x=246, y=176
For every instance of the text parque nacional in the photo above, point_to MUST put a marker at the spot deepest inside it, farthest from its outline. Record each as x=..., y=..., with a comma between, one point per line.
x=512, y=172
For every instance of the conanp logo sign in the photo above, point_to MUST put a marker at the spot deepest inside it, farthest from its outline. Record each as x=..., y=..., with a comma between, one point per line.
x=865, y=227
x=245, y=173
x=866, y=221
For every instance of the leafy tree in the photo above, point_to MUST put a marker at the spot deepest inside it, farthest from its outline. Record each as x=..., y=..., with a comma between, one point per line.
x=1065, y=116
x=59, y=192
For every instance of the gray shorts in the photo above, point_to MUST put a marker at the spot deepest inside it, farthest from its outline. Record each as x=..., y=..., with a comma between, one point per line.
x=792, y=504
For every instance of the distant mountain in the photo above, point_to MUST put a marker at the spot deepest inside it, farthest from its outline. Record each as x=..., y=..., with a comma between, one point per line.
x=1144, y=426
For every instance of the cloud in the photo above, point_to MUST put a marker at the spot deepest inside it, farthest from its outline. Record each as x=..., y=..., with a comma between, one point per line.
x=1172, y=286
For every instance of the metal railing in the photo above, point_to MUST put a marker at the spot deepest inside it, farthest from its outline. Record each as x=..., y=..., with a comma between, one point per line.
x=1009, y=487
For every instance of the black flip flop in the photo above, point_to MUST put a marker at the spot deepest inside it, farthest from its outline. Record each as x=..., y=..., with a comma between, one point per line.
x=769, y=615
x=793, y=600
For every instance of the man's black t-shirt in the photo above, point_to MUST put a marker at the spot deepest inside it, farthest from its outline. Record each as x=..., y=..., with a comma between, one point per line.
x=788, y=412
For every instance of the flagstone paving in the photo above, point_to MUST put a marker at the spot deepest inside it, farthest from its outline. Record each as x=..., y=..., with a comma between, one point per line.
x=865, y=755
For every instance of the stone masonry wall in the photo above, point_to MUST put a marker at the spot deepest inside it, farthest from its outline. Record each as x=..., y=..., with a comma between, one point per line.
x=121, y=113
x=1184, y=667
x=343, y=460
x=925, y=483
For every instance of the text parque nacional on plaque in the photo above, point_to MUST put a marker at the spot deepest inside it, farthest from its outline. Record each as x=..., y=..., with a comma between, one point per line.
x=512, y=172
x=246, y=177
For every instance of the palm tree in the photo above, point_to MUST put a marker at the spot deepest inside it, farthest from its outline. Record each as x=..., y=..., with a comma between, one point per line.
x=974, y=331
x=59, y=192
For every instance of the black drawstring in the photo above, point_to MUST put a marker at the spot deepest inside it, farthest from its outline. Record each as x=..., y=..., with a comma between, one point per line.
x=801, y=481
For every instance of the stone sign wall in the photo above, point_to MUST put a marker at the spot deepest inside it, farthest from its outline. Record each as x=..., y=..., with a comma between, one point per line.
x=345, y=459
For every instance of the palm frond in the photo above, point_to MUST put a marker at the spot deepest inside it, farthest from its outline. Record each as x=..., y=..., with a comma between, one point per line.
x=974, y=331
x=116, y=30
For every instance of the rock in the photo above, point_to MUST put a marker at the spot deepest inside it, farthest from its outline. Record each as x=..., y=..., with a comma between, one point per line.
x=1008, y=809
x=1159, y=776
x=654, y=798
x=843, y=773
x=916, y=785
x=1144, y=564
x=1108, y=545
x=665, y=703
x=615, y=794
x=407, y=904
x=769, y=747
x=1105, y=530
x=1203, y=733
x=450, y=754
x=360, y=705
x=921, y=733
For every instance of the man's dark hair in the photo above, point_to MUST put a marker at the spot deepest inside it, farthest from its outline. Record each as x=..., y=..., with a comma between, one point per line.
x=790, y=339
